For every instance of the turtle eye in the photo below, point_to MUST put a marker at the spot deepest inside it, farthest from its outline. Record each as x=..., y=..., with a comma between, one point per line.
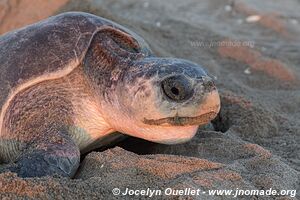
x=177, y=88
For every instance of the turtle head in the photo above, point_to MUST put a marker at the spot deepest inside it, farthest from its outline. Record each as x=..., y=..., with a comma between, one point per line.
x=162, y=100
x=165, y=100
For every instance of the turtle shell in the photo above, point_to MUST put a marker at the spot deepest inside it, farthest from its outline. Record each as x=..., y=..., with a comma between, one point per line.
x=49, y=48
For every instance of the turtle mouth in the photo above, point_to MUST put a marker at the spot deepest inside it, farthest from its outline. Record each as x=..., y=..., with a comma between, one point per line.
x=183, y=121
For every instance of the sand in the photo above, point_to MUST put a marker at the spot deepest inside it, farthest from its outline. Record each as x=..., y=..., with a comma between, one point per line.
x=252, y=47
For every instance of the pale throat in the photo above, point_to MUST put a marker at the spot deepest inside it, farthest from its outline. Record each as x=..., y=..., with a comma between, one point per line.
x=89, y=123
x=160, y=134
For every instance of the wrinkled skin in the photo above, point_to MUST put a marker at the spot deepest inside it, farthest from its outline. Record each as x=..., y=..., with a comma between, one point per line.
x=114, y=84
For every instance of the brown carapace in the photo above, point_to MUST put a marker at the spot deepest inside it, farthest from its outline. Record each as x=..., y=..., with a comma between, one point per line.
x=70, y=82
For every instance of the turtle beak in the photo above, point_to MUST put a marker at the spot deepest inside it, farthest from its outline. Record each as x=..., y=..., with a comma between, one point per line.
x=208, y=111
x=210, y=106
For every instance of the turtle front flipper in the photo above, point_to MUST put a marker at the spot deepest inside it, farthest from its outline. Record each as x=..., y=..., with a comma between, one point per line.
x=54, y=154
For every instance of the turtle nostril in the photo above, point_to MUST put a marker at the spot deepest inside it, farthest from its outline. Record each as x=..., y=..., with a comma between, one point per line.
x=209, y=85
x=177, y=88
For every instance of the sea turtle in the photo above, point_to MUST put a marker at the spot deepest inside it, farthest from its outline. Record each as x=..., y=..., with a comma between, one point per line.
x=70, y=82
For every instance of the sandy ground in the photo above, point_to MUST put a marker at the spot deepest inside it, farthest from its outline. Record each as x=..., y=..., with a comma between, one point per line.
x=252, y=47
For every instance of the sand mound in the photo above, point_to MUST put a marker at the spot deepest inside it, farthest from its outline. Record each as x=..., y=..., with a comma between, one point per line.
x=248, y=166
